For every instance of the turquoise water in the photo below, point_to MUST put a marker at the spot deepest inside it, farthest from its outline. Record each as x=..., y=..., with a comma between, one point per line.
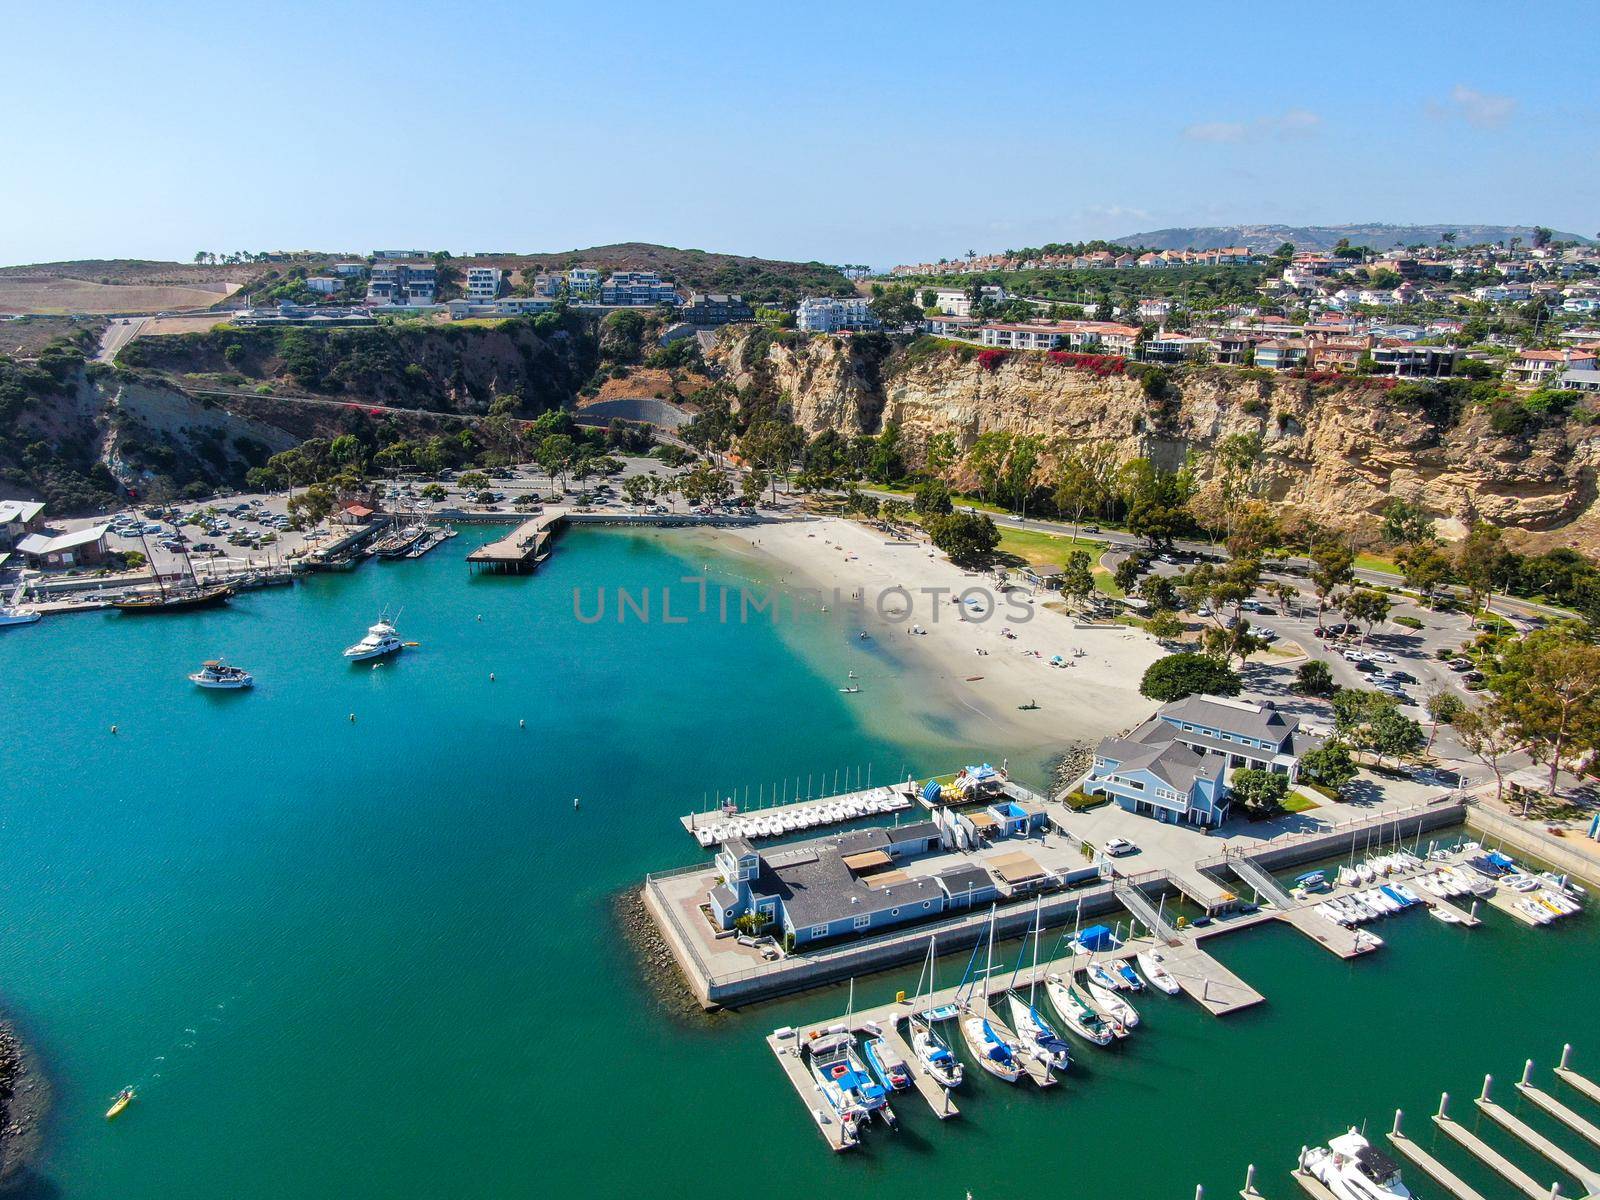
x=381, y=958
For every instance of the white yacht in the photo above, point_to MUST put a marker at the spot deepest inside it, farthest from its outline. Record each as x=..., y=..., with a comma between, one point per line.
x=381, y=639
x=215, y=673
x=1354, y=1170
x=11, y=615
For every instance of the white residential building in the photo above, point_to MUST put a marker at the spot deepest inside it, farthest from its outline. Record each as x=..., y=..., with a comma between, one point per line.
x=829, y=314
x=581, y=281
x=483, y=284
x=326, y=284
x=954, y=302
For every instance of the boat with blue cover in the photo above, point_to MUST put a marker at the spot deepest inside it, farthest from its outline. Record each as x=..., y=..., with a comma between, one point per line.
x=887, y=1064
x=843, y=1079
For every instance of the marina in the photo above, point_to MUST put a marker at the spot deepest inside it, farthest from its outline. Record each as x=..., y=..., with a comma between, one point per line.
x=779, y=820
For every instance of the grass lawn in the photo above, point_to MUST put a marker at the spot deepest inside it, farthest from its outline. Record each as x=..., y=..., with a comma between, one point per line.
x=1105, y=583
x=1376, y=562
x=1044, y=549
x=1298, y=802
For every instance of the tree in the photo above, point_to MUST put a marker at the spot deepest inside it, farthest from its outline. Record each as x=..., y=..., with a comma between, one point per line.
x=1180, y=675
x=1443, y=708
x=1406, y=524
x=1261, y=792
x=1314, y=679
x=1332, y=565
x=1077, y=577
x=1328, y=766
x=1077, y=490
x=932, y=498
x=1483, y=563
x=894, y=512
x=1423, y=566
x=1373, y=721
x=1394, y=735
x=1366, y=607
x=968, y=538
x=472, y=481
x=1158, y=592
x=1487, y=733
x=1550, y=684
x=753, y=484
x=1127, y=573
x=554, y=455
x=636, y=489
x=1228, y=642
x=1164, y=625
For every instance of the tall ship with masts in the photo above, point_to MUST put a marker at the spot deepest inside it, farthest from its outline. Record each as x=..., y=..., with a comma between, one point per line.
x=179, y=598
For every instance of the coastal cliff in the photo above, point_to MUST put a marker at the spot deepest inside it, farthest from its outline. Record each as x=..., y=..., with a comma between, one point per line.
x=1336, y=449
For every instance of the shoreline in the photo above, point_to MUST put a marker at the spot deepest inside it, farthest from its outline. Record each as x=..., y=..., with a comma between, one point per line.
x=25, y=1096
x=962, y=662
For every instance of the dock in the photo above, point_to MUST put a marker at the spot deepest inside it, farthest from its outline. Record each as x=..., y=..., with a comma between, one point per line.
x=788, y=1051
x=1206, y=981
x=1547, y=1149
x=779, y=820
x=1490, y=1157
x=937, y=1097
x=1433, y=1168
x=521, y=550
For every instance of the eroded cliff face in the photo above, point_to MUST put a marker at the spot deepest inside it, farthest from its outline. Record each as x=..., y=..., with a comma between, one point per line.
x=1339, y=452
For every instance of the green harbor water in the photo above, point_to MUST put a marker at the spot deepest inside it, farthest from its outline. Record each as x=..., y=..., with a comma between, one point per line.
x=384, y=957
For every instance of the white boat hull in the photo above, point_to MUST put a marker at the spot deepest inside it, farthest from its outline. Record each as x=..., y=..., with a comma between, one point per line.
x=223, y=685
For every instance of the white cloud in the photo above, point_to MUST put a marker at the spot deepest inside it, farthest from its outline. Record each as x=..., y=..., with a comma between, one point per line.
x=1294, y=123
x=1216, y=131
x=1481, y=110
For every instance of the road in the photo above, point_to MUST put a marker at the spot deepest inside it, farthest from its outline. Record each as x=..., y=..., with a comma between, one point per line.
x=118, y=333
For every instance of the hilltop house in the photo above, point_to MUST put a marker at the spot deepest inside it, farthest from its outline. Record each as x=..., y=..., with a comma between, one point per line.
x=1539, y=366
x=1174, y=767
x=827, y=314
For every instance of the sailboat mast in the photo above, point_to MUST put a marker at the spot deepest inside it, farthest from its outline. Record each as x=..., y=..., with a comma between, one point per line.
x=1038, y=933
x=989, y=958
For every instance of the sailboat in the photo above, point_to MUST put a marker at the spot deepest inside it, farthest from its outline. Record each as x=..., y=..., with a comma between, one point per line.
x=1076, y=1011
x=194, y=594
x=1115, y=1009
x=1036, y=1033
x=993, y=1045
x=931, y=1051
x=842, y=1076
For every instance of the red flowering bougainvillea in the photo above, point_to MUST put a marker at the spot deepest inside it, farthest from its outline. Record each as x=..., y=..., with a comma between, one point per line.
x=1099, y=364
x=990, y=360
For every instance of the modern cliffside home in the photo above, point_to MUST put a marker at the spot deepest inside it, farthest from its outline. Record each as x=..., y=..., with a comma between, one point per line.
x=1174, y=767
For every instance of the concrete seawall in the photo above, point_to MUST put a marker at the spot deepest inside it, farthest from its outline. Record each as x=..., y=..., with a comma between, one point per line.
x=816, y=969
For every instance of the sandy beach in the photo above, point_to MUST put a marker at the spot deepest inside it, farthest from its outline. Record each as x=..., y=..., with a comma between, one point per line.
x=964, y=659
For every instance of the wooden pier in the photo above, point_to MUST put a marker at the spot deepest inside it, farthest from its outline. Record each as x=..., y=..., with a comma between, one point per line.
x=1206, y=981
x=794, y=1066
x=521, y=550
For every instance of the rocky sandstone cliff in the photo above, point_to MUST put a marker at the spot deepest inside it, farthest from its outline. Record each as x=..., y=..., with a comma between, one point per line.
x=1336, y=451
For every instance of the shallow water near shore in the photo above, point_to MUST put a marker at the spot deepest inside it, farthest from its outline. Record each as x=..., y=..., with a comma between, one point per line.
x=380, y=958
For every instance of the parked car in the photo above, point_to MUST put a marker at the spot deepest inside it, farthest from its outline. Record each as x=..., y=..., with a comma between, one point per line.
x=1117, y=847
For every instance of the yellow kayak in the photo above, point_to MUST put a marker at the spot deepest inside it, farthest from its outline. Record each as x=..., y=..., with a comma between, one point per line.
x=124, y=1098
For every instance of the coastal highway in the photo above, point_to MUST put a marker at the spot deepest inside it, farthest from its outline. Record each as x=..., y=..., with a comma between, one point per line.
x=1505, y=605
x=118, y=333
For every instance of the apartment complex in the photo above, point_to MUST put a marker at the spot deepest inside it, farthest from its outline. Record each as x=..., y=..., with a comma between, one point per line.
x=635, y=289
x=830, y=314
x=406, y=284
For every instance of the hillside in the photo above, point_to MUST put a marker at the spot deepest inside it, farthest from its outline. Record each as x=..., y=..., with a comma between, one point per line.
x=1333, y=450
x=122, y=285
x=1325, y=237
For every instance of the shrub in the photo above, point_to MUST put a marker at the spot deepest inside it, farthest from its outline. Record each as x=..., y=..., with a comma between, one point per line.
x=990, y=360
x=1099, y=364
x=1407, y=622
x=1314, y=679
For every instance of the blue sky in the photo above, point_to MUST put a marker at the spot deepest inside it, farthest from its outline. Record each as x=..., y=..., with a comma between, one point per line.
x=870, y=132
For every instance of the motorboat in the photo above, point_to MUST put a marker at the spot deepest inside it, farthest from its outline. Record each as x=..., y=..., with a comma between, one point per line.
x=1448, y=916
x=887, y=1064
x=1114, y=1007
x=1155, y=970
x=1103, y=975
x=1405, y=893
x=1129, y=977
x=124, y=1098
x=843, y=1080
x=1534, y=911
x=10, y=614
x=1076, y=1011
x=1037, y=1034
x=381, y=640
x=215, y=673
x=1353, y=1169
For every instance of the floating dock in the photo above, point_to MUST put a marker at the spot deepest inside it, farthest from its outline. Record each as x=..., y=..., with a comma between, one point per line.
x=780, y=820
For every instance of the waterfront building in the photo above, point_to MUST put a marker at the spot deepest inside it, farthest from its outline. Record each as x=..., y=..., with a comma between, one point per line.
x=1174, y=767
x=583, y=281
x=829, y=314
x=639, y=289
x=82, y=547
x=19, y=518
x=943, y=326
x=1539, y=366
x=1174, y=348
x=326, y=284
x=1106, y=337
x=1574, y=379
x=1408, y=361
x=402, y=284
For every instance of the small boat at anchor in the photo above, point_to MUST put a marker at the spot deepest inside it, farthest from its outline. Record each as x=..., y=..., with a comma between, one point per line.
x=887, y=1064
x=1353, y=1169
x=214, y=673
x=1076, y=1011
